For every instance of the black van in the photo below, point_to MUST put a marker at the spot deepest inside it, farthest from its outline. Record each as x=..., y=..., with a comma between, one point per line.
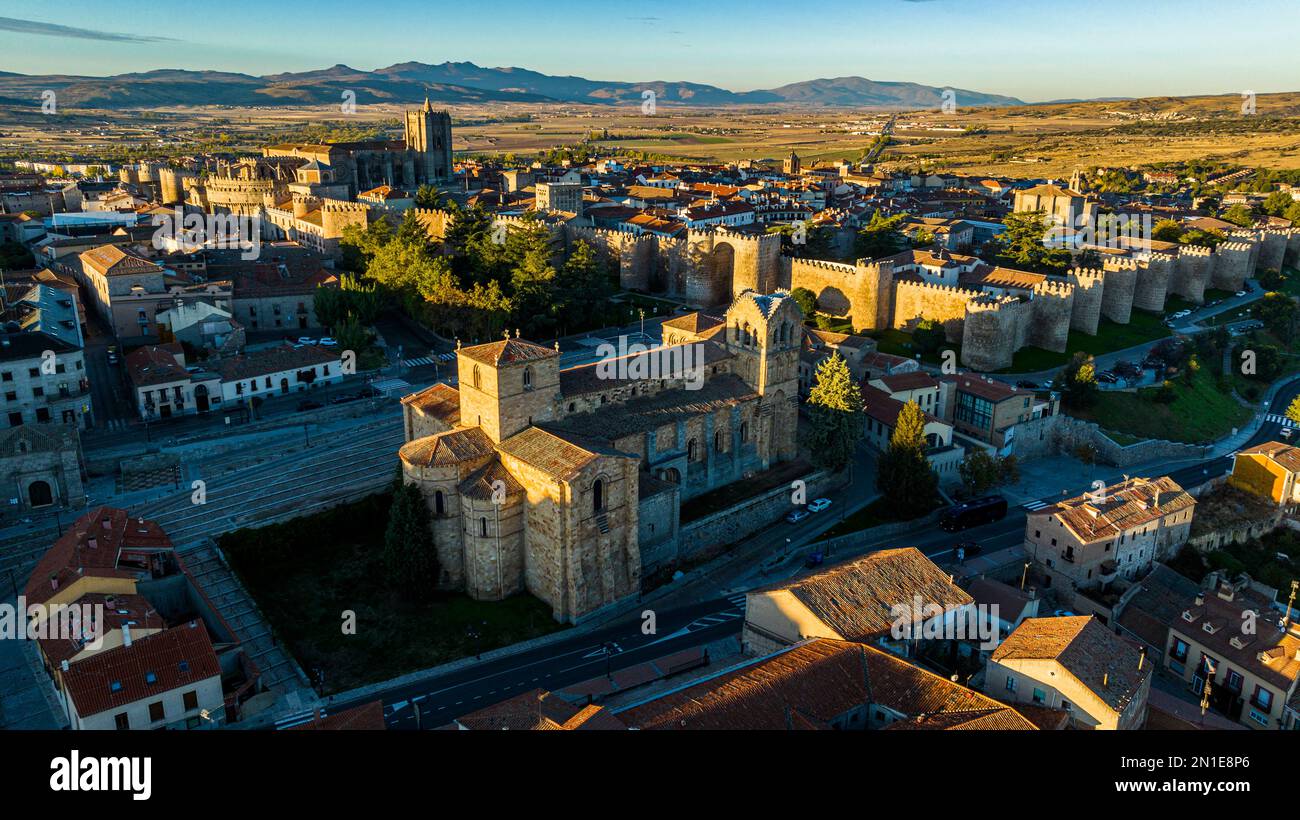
x=974, y=513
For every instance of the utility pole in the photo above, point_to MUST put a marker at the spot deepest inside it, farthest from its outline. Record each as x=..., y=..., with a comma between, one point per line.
x=1024, y=575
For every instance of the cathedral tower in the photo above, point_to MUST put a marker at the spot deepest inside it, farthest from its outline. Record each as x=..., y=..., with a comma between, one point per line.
x=428, y=133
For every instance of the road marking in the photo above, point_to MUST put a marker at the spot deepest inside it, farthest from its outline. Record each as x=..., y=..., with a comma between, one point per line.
x=1035, y=505
x=1275, y=418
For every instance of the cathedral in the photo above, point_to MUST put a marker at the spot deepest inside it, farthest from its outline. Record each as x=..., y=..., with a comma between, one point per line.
x=423, y=157
x=565, y=483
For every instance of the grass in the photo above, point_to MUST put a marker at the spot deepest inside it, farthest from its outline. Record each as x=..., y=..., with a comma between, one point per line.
x=1143, y=327
x=899, y=343
x=1200, y=412
x=305, y=573
x=873, y=515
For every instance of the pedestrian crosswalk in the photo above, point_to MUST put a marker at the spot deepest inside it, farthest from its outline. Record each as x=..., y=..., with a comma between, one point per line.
x=427, y=360
x=1276, y=418
x=1035, y=505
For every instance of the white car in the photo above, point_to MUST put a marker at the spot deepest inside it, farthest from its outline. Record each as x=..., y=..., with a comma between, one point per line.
x=1241, y=293
x=306, y=340
x=819, y=505
x=328, y=342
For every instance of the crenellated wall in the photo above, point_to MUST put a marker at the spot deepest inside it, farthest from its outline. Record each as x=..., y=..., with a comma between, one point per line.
x=1118, y=285
x=1088, y=289
x=1152, y=285
x=994, y=329
x=922, y=300
x=1232, y=265
x=1050, y=312
x=1192, y=272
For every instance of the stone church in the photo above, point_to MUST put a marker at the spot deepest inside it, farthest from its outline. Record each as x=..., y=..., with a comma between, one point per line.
x=560, y=482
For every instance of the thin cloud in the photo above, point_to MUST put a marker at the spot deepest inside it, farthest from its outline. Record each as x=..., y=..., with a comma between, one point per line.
x=54, y=30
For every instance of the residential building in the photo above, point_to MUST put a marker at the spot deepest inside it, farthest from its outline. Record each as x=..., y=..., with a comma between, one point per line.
x=1249, y=653
x=1092, y=539
x=43, y=374
x=1075, y=664
x=559, y=196
x=1268, y=470
x=276, y=371
x=985, y=409
x=129, y=291
x=164, y=387
x=885, y=599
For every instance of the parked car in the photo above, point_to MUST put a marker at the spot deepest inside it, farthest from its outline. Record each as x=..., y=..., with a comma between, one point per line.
x=306, y=340
x=1241, y=293
x=1286, y=432
x=1062, y=613
x=112, y=357
x=795, y=516
x=1027, y=385
x=369, y=392
x=308, y=404
x=328, y=342
x=344, y=398
x=819, y=505
x=815, y=559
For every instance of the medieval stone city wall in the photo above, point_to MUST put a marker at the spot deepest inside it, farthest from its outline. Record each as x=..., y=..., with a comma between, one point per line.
x=1152, y=285
x=993, y=330
x=1050, y=312
x=1272, y=249
x=914, y=301
x=1232, y=265
x=1192, y=273
x=1117, y=290
x=1088, y=287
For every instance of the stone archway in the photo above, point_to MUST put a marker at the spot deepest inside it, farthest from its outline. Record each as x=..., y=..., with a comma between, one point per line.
x=39, y=494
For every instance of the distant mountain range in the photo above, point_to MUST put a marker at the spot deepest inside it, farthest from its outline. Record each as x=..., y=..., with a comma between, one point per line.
x=411, y=82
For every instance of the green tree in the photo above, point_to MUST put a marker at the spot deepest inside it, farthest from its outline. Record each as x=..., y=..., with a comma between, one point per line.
x=979, y=472
x=881, y=237
x=806, y=300
x=903, y=473
x=409, y=555
x=1239, y=215
x=427, y=196
x=1167, y=230
x=1078, y=381
x=1278, y=313
x=929, y=335
x=834, y=414
x=1021, y=244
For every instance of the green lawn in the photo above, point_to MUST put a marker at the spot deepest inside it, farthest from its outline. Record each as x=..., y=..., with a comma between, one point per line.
x=873, y=515
x=1142, y=327
x=1200, y=412
x=305, y=573
x=899, y=343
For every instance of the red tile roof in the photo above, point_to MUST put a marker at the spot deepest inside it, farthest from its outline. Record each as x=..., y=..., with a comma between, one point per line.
x=178, y=657
x=104, y=542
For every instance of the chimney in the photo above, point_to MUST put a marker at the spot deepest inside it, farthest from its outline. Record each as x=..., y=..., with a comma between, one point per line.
x=64, y=664
x=1200, y=599
x=126, y=634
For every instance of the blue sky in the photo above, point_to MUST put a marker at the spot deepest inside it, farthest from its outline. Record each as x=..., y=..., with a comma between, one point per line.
x=1041, y=50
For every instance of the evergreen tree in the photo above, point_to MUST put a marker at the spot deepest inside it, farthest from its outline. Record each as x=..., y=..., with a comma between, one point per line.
x=835, y=414
x=806, y=300
x=409, y=555
x=903, y=474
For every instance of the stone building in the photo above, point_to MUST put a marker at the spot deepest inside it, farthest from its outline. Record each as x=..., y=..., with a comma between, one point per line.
x=40, y=465
x=564, y=483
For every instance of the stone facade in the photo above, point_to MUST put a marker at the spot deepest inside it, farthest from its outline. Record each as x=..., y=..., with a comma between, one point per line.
x=40, y=466
x=568, y=483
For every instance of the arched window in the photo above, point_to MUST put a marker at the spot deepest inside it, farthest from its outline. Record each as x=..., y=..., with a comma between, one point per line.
x=482, y=526
x=572, y=406
x=475, y=377
x=439, y=504
x=690, y=450
x=528, y=378
x=598, y=495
